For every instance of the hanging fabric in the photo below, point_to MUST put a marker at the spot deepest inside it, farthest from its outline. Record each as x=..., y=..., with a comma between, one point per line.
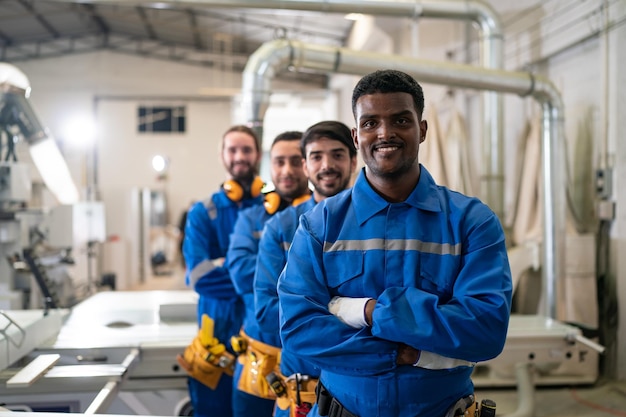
x=579, y=289
x=431, y=155
x=528, y=218
x=453, y=147
x=580, y=178
x=462, y=173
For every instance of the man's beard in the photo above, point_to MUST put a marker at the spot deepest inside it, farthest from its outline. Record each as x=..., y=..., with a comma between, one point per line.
x=240, y=176
x=331, y=191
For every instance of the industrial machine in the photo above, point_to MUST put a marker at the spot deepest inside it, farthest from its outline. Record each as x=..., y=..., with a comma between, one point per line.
x=64, y=346
x=37, y=243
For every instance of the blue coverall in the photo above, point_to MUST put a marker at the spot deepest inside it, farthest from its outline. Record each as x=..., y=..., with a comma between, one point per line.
x=437, y=266
x=241, y=261
x=273, y=248
x=207, y=233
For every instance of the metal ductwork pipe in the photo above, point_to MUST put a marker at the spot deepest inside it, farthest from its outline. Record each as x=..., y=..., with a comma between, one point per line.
x=473, y=10
x=280, y=55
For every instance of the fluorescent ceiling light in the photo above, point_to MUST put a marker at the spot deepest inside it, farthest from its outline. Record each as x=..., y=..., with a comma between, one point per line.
x=53, y=169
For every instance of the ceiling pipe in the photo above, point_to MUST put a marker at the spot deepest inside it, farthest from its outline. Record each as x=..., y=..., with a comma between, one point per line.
x=478, y=11
x=275, y=56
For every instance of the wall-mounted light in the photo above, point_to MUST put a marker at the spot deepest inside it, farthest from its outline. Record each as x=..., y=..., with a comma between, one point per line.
x=160, y=164
x=80, y=131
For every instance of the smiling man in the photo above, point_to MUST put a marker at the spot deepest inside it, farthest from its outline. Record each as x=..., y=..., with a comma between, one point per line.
x=399, y=275
x=208, y=227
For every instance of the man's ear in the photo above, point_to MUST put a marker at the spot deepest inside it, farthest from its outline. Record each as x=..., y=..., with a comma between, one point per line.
x=423, y=130
x=355, y=138
x=304, y=168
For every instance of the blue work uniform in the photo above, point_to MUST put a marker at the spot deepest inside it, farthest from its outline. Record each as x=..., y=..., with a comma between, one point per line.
x=272, y=257
x=207, y=232
x=273, y=248
x=437, y=265
x=241, y=261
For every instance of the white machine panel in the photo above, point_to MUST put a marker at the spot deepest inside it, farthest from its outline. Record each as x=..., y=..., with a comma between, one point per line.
x=557, y=352
x=22, y=331
x=126, y=340
x=76, y=224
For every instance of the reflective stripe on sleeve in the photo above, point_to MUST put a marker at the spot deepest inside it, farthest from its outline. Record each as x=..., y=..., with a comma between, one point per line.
x=393, y=244
x=200, y=270
x=211, y=210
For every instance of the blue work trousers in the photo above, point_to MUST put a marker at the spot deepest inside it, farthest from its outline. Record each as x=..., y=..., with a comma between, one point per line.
x=211, y=403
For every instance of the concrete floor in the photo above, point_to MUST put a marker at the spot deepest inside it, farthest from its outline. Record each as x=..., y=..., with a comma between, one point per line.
x=605, y=398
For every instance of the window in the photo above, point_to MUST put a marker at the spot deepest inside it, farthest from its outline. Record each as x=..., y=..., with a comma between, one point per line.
x=170, y=119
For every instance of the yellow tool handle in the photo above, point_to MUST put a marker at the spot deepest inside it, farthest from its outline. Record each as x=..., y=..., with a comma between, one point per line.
x=206, y=331
x=217, y=349
x=214, y=353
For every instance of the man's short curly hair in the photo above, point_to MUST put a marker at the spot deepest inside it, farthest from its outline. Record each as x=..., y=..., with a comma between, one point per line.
x=389, y=81
x=330, y=129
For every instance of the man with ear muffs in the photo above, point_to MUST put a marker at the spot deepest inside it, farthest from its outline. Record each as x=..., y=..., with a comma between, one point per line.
x=257, y=352
x=207, y=233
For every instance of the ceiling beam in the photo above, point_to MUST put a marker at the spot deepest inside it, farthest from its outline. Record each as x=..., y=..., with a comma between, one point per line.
x=146, y=22
x=91, y=11
x=195, y=30
x=42, y=20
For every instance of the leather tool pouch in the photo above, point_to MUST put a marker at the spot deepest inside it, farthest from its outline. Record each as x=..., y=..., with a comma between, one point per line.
x=258, y=361
x=306, y=394
x=200, y=364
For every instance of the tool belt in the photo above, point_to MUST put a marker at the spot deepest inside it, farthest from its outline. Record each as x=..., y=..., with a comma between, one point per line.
x=258, y=360
x=296, y=393
x=466, y=406
x=206, y=363
x=327, y=405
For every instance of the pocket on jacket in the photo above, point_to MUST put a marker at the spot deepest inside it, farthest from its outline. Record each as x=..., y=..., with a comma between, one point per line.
x=341, y=267
x=438, y=273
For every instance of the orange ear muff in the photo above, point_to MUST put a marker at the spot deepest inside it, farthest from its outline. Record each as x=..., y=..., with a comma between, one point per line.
x=256, y=187
x=233, y=190
x=302, y=199
x=272, y=202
